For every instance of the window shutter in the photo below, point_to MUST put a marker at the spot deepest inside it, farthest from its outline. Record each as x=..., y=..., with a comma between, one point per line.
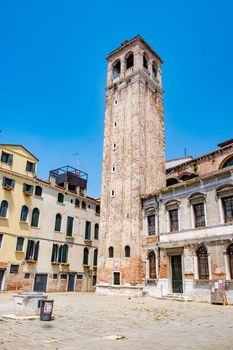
x=4, y=181
x=10, y=159
x=33, y=167
x=36, y=250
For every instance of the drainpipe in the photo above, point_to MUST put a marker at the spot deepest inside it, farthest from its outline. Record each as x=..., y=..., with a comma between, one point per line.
x=157, y=201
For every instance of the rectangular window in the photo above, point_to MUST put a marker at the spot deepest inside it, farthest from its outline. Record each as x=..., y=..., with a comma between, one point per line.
x=199, y=214
x=151, y=225
x=174, y=223
x=14, y=268
x=6, y=158
x=79, y=277
x=28, y=189
x=116, y=278
x=7, y=183
x=55, y=276
x=228, y=209
x=1, y=238
x=27, y=275
x=63, y=276
x=30, y=167
x=88, y=230
x=19, y=244
x=69, y=226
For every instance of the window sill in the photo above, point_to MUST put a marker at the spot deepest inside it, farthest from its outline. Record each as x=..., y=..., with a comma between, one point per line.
x=57, y=231
x=60, y=203
x=19, y=251
x=87, y=242
x=38, y=197
x=70, y=238
x=23, y=222
x=36, y=227
x=3, y=218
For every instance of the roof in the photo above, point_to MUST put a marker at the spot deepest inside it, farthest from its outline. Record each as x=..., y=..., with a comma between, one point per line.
x=178, y=161
x=14, y=145
x=225, y=143
x=129, y=42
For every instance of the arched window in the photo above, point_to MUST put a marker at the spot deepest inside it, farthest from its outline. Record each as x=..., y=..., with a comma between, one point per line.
x=110, y=252
x=35, y=217
x=54, y=257
x=97, y=209
x=203, y=267
x=127, y=251
x=58, y=222
x=85, y=256
x=64, y=256
x=154, y=70
x=145, y=61
x=77, y=202
x=152, y=265
x=3, y=209
x=96, y=233
x=24, y=213
x=38, y=191
x=129, y=60
x=230, y=255
x=84, y=206
x=60, y=197
x=116, y=68
x=227, y=163
x=95, y=257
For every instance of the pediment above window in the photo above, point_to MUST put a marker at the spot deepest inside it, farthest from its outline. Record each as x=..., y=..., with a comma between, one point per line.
x=197, y=197
x=172, y=204
x=225, y=190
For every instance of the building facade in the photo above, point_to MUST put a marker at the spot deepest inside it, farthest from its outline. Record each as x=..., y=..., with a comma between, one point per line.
x=49, y=230
x=166, y=227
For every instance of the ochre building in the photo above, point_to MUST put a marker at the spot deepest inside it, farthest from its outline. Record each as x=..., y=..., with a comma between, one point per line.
x=49, y=230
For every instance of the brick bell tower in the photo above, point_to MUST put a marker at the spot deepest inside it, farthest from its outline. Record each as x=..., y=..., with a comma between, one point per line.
x=133, y=162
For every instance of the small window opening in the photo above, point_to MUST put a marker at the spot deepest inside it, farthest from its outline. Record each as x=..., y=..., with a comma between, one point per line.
x=127, y=251
x=114, y=146
x=110, y=252
x=113, y=169
x=113, y=193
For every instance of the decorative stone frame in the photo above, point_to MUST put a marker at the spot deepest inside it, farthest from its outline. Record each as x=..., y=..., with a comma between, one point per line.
x=197, y=198
x=149, y=211
x=222, y=192
x=172, y=204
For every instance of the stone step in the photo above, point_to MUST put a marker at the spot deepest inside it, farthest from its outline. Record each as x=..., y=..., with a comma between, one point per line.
x=176, y=297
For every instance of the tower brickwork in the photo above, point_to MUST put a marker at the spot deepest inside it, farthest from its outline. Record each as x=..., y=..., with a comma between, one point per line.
x=133, y=159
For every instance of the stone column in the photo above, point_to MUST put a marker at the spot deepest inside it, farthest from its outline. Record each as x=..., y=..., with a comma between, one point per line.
x=147, y=269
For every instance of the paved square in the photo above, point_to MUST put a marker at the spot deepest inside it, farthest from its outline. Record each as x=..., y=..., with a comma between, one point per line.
x=87, y=321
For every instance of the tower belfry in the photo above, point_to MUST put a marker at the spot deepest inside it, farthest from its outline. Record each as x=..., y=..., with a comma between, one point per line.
x=133, y=160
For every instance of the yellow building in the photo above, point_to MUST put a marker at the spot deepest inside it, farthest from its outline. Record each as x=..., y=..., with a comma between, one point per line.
x=48, y=229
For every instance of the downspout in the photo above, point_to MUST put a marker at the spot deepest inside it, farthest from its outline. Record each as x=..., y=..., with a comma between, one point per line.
x=157, y=201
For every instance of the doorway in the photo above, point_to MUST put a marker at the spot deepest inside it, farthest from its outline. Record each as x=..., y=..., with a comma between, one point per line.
x=1, y=278
x=176, y=268
x=71, y=280
x=40, y=284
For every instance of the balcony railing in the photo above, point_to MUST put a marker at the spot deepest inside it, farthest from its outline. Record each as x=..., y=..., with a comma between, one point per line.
x=116, y=79
x=129, y=71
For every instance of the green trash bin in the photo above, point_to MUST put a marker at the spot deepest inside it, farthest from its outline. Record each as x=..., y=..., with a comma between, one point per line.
x=46, y=310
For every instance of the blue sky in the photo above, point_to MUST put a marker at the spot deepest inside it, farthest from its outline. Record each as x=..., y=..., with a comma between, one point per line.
x=53, y=74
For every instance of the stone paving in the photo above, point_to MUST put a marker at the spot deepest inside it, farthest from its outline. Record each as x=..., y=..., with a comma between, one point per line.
x=87, y=321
